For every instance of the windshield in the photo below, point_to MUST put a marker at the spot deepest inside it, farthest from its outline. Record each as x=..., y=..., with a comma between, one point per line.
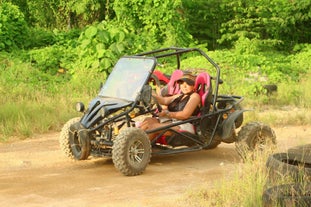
x=128, y=77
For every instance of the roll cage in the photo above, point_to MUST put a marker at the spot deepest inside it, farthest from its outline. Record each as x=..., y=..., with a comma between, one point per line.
x=175, y=51
x=207, y=123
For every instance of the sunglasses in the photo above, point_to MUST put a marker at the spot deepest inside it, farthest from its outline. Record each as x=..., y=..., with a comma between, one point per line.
x=188, y=81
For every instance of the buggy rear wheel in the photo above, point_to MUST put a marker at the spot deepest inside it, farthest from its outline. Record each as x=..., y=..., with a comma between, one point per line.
x=70, y=143
x=131, y=151
x=254, y=138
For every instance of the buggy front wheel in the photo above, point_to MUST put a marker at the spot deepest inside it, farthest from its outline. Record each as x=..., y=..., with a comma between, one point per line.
x=70, y=143
x=131, y=151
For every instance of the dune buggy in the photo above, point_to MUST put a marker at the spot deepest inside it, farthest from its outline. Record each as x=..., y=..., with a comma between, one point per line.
x=107, y=127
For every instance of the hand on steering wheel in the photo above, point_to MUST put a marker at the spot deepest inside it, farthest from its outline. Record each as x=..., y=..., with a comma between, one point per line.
x=155, y=81
x=159, y=107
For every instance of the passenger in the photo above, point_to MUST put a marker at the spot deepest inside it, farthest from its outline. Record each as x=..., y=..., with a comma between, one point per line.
x=179, y=107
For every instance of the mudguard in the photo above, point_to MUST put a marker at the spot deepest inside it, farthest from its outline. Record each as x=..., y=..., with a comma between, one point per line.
x=227, y=125
x=85, y=142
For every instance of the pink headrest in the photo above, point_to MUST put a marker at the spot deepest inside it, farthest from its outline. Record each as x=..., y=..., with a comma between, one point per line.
x=202, y=84
x=173, y=87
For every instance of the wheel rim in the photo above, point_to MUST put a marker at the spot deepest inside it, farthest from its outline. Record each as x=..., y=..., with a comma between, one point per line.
x=136, y=152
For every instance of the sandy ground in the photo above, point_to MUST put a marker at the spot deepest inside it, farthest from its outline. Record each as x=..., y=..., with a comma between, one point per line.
x=34, y=172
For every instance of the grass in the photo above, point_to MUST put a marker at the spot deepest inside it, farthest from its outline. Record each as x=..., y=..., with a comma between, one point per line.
x=35, y=102
x=27, y=110
x=290, y=105
x=243, y=186
x=23, y=118
x=281, y=117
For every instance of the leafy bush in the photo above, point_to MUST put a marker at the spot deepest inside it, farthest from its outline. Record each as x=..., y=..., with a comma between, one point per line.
x=301, y=58
x=13, y=27
x=163, y=25
x=46, y=59
x=99, y=46
x=270, y=22
x=246, y=73
x=58, y=53
x=40, y=38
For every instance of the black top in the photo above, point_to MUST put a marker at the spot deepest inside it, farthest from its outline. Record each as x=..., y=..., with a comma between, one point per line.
x=179, y=103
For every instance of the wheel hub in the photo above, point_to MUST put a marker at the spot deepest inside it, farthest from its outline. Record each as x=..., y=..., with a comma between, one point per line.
x=136, y=152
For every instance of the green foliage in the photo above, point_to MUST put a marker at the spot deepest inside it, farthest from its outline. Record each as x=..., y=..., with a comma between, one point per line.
x=99, y=47
x=272, y=22
x=301, y=58
x=163, y=25
x=64, y=14
x=32, y=95
x=180, y=23
x=246, y=73
x=295, y=94
x=23, y=79
x=203, y=20
x=13, y=28
x=254, y=46
x=93, y=10
x=93, y=80
x=46, y=59
x=31, y=92
x=58, y=53
x=40, y=38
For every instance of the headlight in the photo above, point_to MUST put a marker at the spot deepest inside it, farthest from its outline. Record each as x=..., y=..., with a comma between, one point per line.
x=103, y=111
x=80, y=107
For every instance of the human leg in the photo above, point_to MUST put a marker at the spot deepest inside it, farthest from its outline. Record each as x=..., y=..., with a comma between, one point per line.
x=153, y=123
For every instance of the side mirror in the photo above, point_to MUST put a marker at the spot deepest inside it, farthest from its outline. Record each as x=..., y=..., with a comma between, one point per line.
x=145, y=96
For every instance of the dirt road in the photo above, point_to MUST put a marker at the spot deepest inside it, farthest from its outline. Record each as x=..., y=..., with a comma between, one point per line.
x=34, y=172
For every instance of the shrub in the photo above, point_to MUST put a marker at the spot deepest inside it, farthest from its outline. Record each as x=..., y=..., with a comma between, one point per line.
x=13, y=27
x=99, y=47
x=40, y=38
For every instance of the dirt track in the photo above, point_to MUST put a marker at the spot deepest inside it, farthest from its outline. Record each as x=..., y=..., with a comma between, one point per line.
x=34, y=172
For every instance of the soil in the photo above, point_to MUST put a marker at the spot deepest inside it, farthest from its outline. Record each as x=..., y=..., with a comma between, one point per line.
x=34, y=172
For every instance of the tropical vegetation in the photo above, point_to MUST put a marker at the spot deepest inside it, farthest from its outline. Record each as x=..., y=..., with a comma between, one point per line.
x=53, y=53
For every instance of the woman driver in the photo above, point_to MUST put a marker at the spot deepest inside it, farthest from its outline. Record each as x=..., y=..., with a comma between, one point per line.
x=179, y=107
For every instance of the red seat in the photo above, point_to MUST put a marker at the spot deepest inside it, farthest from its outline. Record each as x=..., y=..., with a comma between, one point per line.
x=172, y=87
x=204, y=88
x=162, y=78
